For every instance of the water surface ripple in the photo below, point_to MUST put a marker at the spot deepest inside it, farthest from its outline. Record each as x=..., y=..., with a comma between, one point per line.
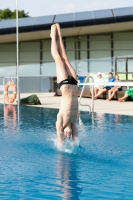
x=31, y=167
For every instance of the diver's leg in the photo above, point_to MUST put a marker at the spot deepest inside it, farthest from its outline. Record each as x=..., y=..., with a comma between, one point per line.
x=62, y=52
x=60, y=66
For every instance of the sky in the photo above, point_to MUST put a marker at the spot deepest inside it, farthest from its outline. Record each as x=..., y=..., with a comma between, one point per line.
x=53, y=7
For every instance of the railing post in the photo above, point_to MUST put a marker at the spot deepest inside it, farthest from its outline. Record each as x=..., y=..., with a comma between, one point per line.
x=88, y=77
x=17, y=49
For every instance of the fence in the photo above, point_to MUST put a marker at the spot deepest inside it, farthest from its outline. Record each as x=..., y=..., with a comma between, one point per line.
x=36, y=84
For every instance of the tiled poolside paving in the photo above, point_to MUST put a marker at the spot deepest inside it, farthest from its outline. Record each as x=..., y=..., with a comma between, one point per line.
x=48, y=100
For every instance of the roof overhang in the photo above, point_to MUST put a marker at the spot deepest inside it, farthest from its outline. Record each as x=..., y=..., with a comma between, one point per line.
x=72, y=24
x=75, y=31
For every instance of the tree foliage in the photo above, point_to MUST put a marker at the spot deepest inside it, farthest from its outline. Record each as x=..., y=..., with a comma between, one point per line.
x=8, y=14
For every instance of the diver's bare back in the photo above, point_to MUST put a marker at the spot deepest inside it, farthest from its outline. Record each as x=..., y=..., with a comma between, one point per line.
x=69, y=104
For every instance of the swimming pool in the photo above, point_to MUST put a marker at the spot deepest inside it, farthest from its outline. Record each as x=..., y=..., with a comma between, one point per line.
x=31, y=167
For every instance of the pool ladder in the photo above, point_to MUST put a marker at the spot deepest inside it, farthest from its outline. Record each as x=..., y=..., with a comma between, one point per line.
x=91, y=109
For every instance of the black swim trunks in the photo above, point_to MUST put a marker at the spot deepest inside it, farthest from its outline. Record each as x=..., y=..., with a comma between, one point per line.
x=70, y=80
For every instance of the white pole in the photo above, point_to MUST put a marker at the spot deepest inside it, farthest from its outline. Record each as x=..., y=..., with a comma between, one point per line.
x=17, y=48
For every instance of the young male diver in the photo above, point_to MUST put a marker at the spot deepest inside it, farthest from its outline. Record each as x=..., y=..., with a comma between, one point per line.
x=67, y=82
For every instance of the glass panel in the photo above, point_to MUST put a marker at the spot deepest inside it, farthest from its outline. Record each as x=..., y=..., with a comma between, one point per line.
x=123, y=44
x=123, y=35
x=100, y=54
x=102, y=14
x=45, y=84
x=97, y=45
x=83, y=42
x=7, y=60
x=83, y=69
x=44, y=20
x=47, y=45
x=47, y=56
x=70, y=45
x=83, y=16
x=121, y=65
x=123, y=53
x=70, y=51
x=100, y=61
x=29, y=46
x=8, y=48
x=122, y=11
x=7, y=69
x=102, y=65
x=29, y=69
x=7, y=57
x=28, y=21
x=64, y=17
x=130, y=66
x=100, y=37
x=71, y=57
x=48, y=69
x=29, y=58
x=100, y=57
x=100, y=42
x=8, y=23
x=122, y=76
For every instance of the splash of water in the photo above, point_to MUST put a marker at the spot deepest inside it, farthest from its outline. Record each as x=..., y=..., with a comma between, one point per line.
x=68, y=146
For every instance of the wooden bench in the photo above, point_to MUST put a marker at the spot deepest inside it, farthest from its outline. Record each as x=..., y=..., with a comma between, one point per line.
x=87, y=93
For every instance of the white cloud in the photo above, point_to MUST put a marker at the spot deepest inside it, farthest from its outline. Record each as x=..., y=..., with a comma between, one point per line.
x=95, y=6
x=64, y=8
x=70, y=7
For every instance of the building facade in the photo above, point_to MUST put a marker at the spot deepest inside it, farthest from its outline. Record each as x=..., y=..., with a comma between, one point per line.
x=92, y=41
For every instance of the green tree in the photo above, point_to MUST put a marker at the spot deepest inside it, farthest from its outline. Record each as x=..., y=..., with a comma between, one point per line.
x=8, y=14
x=21, y=14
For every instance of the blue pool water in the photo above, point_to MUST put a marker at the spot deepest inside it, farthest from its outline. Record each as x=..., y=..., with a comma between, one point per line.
x=31, y=167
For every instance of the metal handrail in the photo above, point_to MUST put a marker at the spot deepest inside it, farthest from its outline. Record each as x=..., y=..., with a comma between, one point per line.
x=88, y=77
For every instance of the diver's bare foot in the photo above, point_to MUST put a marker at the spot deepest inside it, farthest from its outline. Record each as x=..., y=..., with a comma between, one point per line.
x=58, y=29
x=95, y=98
x=53, y=31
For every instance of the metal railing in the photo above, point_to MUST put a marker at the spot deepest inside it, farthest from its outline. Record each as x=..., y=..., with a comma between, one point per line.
x=88, y=77
x=108, y=84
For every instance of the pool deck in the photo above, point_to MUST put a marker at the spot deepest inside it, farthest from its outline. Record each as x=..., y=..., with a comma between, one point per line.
x=48, y=100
